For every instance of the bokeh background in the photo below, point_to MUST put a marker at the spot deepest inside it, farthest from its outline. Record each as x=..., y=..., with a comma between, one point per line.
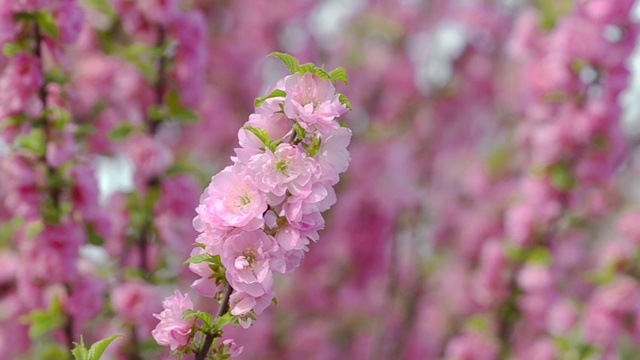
x=490, y=211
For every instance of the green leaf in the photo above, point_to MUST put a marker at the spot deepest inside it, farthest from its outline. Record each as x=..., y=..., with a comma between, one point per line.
x=143, y=56
x=98, y=348
x=13, y=121
x=80, y=352
x=83, y=130
x=291, y=62
x=275, y=93
x=339, y=74
x=561, y=177
x=11, y=49
x=103, y=6
x=121, y=131
x=322, y=73
x=47, y=23
x=307, y=68
x=514, y=252
x=93, y=237
x=540, y=255
x=205, y=317
x=224, y=320
x=44, y=321
x=197, y=259
x=179, y=111
x=260, y=133
x=345, y=101
x=35, y=141
x=56, y=75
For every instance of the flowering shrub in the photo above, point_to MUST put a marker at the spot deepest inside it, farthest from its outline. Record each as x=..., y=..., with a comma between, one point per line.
x=258, y=215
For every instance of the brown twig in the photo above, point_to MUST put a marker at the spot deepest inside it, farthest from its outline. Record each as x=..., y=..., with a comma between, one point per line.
x=208, y=340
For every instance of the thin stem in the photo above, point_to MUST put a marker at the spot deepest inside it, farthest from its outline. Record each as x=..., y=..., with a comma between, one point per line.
x=42, y=95
x=208, y=340
x=158, y=88
x=160, y=84
x=54, y=190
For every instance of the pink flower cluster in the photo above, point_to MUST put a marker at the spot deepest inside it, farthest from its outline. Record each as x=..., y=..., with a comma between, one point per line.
x=260, y=214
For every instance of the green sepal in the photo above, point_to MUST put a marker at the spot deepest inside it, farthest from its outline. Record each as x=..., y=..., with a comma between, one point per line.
x=275, y=93
x=301, y=133
x=314, y=147
x=200, y=258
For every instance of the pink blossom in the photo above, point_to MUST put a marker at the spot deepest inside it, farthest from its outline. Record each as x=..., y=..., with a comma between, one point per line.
x=250, y=258
x=277, y=126
x=54, y=253
x=232, y=200
x=231, y=348
x=19, y=84
x=608, y=308
x=85, y=192
x=312, y=101
x=242, y=304
x=561, y=317
x=206, y=285
x=20, y=183
x=319, y=199
x=534, y=278
x=490, y=284
x=629, y=227
x=69, y=18
x=471, y=346
x=520, y=224
x=86, y=299
x=190, y=30
x=61, y=147
x=133, y=300
x=160, y=12
x=333, y=155
x=150, y=156
x=173, y=330
x=611, y=12
x=286, y=169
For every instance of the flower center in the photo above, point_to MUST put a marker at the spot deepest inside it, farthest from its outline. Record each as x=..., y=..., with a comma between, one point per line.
x=282, y=166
